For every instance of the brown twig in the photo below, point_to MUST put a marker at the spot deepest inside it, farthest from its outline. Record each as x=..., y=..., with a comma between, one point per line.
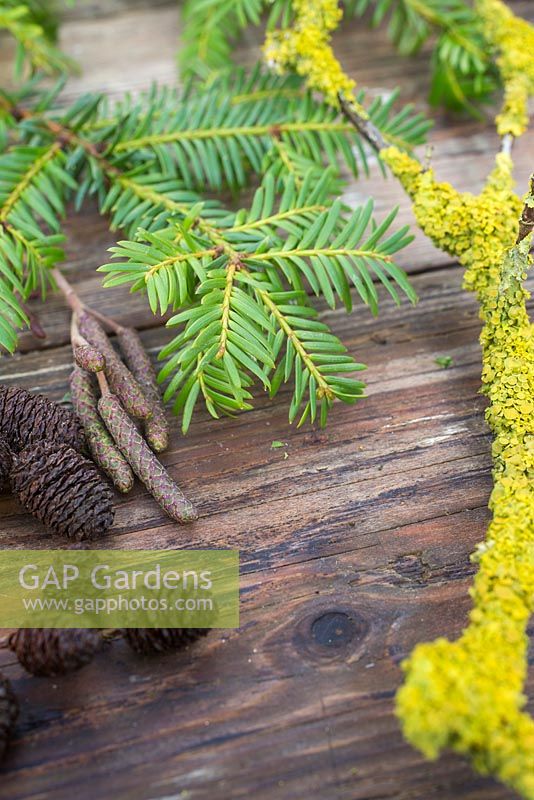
x=61, y=133
x=67, y=290
x=77, y=305
x=365, y=127
x=34, y=323
x=76, y=338
x=115, y=327
x=103, y=384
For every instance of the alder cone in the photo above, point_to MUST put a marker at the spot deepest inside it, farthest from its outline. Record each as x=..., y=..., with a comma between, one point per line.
x=27, y=418
x=6, y=461
x=162, y=640
x=63, y=490
x=54, y=651
x=9, y=711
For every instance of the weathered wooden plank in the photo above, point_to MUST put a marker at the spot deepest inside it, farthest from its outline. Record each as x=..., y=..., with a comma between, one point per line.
x=192, y=720
x=275, y=703
x=418, y=416
x=278, y=693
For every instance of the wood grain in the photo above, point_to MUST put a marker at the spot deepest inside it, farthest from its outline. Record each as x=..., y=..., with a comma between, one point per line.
x=353, y=548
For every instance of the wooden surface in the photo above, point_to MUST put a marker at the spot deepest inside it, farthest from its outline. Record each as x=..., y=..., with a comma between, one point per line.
x=353, y=548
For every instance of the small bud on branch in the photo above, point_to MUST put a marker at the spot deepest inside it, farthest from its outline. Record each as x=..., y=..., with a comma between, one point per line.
x=88, y=358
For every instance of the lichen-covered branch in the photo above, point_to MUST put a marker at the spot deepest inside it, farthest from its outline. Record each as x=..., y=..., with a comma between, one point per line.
x=305, y=47
x=512, y=39
x=468, y=694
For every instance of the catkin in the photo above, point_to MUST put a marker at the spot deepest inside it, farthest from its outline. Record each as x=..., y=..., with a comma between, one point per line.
x=121, y=380
x=138, y=361
x=89, y=358
x=143, y=461
x=103, y=449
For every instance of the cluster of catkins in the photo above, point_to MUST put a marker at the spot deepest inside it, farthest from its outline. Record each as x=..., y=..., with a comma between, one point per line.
x=129, y=401
x=43, y=445
x=43, y=448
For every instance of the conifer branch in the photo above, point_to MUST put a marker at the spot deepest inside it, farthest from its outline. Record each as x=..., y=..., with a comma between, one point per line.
x=190, y=253
x=34, y=44
x=323, y=390
x=227, y=269
x=147, y=200
x=274, y=130
x=278, y=146
x=33, y=188
x=462, y=72
x=231, y=269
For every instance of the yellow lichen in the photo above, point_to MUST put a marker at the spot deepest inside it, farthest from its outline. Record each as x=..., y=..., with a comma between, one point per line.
x=475, y=229
x=513, y=39
x=468, y=694
x=305, y=47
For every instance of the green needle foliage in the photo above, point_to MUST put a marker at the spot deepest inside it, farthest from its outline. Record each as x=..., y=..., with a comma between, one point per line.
x=32, y=183
x=145, y=159
x=210, y=28
x=241, y=283
x=247, y=123
x=33, y=25
x=462, y=71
